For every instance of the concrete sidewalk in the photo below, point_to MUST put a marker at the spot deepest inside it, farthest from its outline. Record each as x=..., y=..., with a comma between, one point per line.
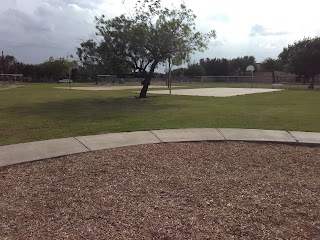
x=8, y=87
x=26, y=152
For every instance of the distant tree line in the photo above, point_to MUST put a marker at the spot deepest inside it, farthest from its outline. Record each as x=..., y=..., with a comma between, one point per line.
x=301, y=58
x=48, y=71
x=218, y=67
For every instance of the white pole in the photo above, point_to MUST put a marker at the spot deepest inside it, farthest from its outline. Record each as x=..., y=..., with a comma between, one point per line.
x=170, y=75
x=251, y=78
x=70, y=78
x=167, y=75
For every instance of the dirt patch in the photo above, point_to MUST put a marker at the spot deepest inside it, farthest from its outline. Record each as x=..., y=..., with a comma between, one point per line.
x=204, y=190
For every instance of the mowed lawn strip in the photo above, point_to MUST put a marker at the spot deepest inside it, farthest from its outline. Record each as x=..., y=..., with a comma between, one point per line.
x=39, y=111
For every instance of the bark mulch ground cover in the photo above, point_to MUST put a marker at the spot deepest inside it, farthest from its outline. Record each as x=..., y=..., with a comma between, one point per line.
x=204, y=190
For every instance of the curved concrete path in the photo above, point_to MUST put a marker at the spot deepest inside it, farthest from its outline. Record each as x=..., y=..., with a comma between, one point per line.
x=8, y=87
x=26, y=152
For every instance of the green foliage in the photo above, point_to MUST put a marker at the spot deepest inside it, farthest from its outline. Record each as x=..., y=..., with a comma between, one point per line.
x=220, y=67
x=240, y=64
x=148, y=37
x=55, y=69
x=9, y=64
x=270, y=64
x=215, y=67
x=194, y=70
x=178, y=72
x=50, y=70
x=303, y=58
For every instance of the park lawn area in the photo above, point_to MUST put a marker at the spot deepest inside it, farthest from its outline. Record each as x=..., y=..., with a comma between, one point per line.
x=39, y=111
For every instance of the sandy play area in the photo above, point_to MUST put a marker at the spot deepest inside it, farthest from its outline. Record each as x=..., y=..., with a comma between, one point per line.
x=215, y=92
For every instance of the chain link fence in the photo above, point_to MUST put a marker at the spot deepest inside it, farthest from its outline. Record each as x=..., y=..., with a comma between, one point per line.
x=280, y=81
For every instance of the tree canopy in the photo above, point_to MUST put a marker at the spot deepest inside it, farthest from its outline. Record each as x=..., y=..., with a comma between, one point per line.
x=239, y=65
x=194, y=70
x=303, y=58
x=148, y=37
x=215, y=67
x=9, y=64
x=219, y=67
x=50, y=70
x=270, y=65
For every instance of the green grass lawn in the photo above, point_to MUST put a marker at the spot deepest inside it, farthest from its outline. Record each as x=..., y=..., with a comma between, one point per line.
x=38, y=111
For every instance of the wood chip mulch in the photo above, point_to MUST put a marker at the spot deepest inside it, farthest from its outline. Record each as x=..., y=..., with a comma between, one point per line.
x=204, y=190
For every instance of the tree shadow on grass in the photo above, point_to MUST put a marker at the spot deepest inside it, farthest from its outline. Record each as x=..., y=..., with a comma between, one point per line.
x=90, y=109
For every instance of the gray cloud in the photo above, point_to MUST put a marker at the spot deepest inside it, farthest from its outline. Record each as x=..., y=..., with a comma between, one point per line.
x=85, y=3
x=51, y=28
x=5, y=4
x=41, y=44
x=217, y=43
x=33, y=30
x=44, y=10
x=92, y=4
x=259, y=30
x=21, y=21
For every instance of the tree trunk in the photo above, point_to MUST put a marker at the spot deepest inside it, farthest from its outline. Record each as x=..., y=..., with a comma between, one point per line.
x=312, y=83
x=273, y=77
x=147, y=80
x=143, y=92
x=145, y=83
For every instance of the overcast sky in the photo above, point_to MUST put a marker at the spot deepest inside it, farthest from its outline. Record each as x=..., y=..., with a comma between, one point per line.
x=33, y=30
